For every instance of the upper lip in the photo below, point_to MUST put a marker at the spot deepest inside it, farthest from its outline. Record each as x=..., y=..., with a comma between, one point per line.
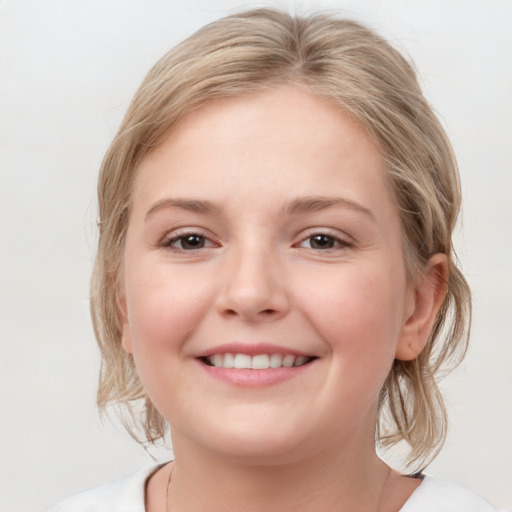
x=251, y=349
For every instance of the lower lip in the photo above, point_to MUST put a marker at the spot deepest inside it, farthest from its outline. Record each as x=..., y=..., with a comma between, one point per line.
x=245, y=377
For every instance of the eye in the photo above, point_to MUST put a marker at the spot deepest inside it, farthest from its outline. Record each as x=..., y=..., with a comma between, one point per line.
x=323, y=241
x=188, y=242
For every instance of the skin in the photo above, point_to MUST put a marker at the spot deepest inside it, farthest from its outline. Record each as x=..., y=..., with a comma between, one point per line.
x=259, y=275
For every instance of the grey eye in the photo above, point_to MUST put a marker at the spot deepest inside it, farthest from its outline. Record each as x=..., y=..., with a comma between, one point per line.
x=321, y=242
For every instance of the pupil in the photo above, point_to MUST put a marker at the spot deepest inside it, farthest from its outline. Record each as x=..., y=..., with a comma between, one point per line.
x=192, y=242
x=322, y=242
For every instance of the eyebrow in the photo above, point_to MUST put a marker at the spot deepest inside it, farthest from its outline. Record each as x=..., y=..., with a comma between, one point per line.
x=317, y=203
x=301, y=205
x=192, y=205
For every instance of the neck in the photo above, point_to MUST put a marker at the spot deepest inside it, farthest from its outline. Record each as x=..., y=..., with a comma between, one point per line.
x=350, y=480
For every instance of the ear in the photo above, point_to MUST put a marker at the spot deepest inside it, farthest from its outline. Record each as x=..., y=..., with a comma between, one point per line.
x=126, y=340
x=422, y=308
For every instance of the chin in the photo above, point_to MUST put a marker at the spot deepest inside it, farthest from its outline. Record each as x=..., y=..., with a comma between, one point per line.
x=257, y=444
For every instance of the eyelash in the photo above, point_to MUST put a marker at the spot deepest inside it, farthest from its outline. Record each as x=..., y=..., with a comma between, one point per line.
x=335, y=242
x=168, y=243
x=338, y=243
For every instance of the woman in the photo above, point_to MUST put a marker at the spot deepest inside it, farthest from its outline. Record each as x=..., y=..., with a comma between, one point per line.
x=275, y=277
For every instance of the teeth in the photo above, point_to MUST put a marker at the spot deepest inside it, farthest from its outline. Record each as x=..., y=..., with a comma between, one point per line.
x=242, y=361
x=288, y=361
x=257, y=362
x=261, y=362
x=299, y=361
x=276, y=360
x=217, y=360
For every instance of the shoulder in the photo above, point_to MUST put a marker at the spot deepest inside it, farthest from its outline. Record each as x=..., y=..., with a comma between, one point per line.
x=126, y=495
x=445, y=497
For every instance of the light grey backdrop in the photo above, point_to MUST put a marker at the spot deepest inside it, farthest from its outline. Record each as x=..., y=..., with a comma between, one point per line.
x=67, y=72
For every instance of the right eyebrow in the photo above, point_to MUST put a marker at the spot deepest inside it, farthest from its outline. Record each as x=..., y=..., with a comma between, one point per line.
x=192, y=205
x=317, y=203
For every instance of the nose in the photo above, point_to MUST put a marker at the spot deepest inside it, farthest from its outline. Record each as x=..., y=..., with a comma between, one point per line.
x=253, y=287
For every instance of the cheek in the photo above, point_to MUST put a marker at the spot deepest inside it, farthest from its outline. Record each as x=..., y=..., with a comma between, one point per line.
x=360, y=316
x=163, y=309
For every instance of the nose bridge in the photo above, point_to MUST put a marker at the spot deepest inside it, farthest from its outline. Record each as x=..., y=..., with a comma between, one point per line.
x=253, y=285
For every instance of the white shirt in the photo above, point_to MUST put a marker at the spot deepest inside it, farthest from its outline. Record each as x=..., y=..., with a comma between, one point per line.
x=127, y=495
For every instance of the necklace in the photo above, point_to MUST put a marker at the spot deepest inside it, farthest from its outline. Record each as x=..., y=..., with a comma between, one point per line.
x=174, y=465
x=168, y=487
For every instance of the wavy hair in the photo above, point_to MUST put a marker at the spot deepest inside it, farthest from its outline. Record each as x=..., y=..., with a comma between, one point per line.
x=349, y=63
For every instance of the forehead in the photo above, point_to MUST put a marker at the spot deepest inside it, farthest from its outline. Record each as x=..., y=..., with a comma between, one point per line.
x=259, y=140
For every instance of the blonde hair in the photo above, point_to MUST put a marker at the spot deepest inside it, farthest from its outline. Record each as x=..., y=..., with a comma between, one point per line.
x=346, y=62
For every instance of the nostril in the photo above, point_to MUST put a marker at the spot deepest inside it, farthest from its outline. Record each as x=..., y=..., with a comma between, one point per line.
x=262, y=312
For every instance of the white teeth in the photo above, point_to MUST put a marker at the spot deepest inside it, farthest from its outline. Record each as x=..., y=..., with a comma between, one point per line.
x=276, y=360
x=288, y=361
x=217, y=360
x=242, y=361
x=229, y=361
x=260, y=362
x=257, y=362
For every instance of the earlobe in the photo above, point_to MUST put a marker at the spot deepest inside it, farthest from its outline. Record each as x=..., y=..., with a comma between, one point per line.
x=427, y=297
x=126, y=340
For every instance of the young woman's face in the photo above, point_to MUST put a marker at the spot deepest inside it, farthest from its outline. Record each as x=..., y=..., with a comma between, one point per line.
x=263, y=234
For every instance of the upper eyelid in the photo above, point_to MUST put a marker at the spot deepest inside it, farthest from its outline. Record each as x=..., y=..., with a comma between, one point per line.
x=168, y=244
x=174, y=234
x=186, y=230
x=334, y=233
x=341, y=241
x=207, y=242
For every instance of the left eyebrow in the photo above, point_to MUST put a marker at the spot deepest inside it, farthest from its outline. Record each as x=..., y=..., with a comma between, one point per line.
x=192, y=205
x=316, y=203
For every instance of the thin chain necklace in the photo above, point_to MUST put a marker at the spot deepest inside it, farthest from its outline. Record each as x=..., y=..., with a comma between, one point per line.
x=174, y=465
x=168, y=487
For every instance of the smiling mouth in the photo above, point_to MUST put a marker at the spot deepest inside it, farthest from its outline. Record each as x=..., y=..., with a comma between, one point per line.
x=256, y=362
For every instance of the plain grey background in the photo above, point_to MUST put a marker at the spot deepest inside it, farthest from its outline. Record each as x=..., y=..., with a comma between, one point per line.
x=67, y=72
